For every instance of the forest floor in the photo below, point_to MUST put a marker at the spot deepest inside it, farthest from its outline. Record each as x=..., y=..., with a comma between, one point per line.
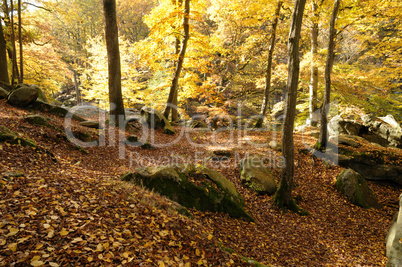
x=69, y=208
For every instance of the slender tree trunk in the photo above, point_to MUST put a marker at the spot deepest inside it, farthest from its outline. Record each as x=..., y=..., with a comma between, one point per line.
x=283, y=196
x=314, y=68
x=113, y=54
x=322, y=141
x=179, y=64
x=21, y=77
x=77, y=89
x=15, y=73
x=3, y=58
x=176, y=52
x=268, y=73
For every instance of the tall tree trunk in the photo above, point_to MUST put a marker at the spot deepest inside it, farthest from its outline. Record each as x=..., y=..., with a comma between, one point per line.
x=3, y=58
x=176, y=52
x=268, y=73
x=113, y=54
x=180, y=60
x=314, y=67
x=77, y=89
x=322, y=141
x=283, y=196
x=15, y=73
x=21, y=77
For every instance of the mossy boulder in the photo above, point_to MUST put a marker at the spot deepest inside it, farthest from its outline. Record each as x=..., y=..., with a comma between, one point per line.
x=37, y=120
x=256, y=175
x=3, y=93
x=22, y=96
x=6, y=135
x=192, y=187
x=355, y=188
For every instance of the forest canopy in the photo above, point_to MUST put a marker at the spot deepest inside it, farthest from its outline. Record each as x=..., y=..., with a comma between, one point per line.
x=63, y=44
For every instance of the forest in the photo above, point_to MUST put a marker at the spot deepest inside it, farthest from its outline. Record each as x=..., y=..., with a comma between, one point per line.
x=200, y=133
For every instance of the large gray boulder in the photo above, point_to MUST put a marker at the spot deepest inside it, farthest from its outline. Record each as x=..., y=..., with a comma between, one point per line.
x=394, y=239
x=355, y=188
x=192, y=187
x=22, y=96
x=383, y=130
x=338, y=125
x=255, y=175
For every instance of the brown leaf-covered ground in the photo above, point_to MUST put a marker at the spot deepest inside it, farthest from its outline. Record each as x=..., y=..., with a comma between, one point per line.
x=71, y=209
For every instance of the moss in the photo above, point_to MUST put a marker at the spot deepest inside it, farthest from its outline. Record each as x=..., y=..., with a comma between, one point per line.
x=177, y=187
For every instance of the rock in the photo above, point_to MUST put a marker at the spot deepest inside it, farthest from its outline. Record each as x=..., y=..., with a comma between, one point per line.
x=22, y=96
x=153, y=118
x=168, y=129
x=393, y=240
x=192, y=187
x=146, y=145
x=255, y=175
x=347, y=140
x=88, y=111
x=384, y=130
x=3, y=93
x=337, y=126
x=369, y=167
x=275, y=145
x=6, y=135
x=355, y=188
x=91, y=124
x=132, y=138
x=222, y=154
x=85, y=137
x=52, y=109
x=37, y=119
x=195, y=124
x=41, y=95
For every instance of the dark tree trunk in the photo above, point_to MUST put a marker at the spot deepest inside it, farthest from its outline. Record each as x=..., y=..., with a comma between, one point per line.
x=3, y=58
x=179, y=65
x=268, y=73
x=21, y=76
x=77, y=89
x=15, y=72
x=283, y=196
x=314, y=68
x=176, y=52
x=322, y=141
x=113, y=54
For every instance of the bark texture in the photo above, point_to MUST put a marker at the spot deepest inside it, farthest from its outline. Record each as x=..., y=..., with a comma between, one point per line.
x=113, y=54
x=268, y=73
x=179, y=65
x=314, y=68
x=323, y=139
x=283, y=196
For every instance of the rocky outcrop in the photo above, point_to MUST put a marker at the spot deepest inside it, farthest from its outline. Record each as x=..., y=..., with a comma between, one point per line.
x=355, y=188
x=385, y=131
x=192, y=187
x=371, y=168
x=91, y=124
x=337, y=126
x=22, y=96
x=52, y=109
x=155, y=120
x=37, y=119
x=255, y=175
x=394, y=239
x=3, y=93
x=6, y=135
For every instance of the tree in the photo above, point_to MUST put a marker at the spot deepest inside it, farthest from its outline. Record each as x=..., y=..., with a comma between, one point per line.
x=113, y=53
x=21, y=76
x=15, y=72
x=314, y=68
x=322, y=141
x=3, y=57
x=283, y=195
x=179, y=64
x=268, y=73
